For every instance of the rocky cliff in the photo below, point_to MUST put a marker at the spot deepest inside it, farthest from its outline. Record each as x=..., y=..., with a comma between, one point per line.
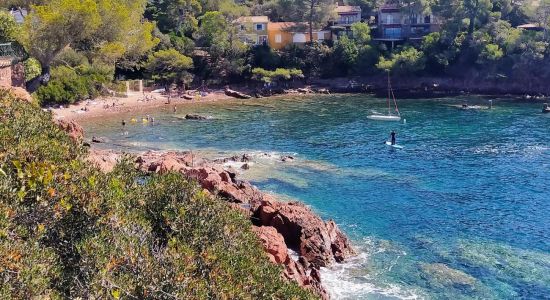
x=280, y=225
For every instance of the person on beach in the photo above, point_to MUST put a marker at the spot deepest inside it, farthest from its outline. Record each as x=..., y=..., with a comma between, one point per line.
x=175, y=109
x=392, y=134
x=123, y=123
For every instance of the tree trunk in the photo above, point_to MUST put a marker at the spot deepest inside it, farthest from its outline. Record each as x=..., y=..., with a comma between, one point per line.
x=311, y=7
x=473, y=16
x=40, y=80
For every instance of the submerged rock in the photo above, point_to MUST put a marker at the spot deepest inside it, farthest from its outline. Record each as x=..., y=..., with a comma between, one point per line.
x=96, y=139
x=444, y=275
x=197, y=117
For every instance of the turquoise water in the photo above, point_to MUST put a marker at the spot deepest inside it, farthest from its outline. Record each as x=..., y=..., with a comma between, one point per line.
x=461, y=212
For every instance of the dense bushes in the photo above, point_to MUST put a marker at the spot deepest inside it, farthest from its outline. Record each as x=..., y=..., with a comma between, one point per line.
x=278, y=75
x=69, y=231
x=69, y=85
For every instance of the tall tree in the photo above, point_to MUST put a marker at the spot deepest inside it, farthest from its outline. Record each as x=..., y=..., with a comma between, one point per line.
x=314, y=12
x=8, y=28
x=169, y=66
x=106, y=30
x=51, y=27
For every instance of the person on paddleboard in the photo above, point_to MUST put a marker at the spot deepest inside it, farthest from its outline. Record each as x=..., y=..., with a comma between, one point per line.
x=392, y=134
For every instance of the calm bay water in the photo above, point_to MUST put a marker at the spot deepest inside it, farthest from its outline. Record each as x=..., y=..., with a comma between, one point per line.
x=461, y=212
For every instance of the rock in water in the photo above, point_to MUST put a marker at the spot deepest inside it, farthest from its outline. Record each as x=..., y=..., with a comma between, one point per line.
x=96, y=139
x=197, y=117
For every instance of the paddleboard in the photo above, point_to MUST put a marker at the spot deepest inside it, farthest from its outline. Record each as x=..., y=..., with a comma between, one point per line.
x=394, y=146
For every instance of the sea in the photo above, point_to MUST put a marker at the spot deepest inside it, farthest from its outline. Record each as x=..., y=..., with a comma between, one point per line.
x=461, y=211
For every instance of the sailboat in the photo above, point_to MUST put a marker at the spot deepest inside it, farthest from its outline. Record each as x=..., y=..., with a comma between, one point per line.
x=389, y=116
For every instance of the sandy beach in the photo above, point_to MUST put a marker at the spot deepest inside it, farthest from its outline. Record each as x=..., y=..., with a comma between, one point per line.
x=135, y=102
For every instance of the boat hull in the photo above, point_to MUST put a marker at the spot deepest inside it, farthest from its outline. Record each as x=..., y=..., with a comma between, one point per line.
x=384, y=118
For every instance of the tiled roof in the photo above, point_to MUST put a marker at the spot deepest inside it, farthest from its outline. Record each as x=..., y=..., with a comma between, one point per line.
x=348, y=9
x=290, y=26
x=280, y=25
x=253, y=19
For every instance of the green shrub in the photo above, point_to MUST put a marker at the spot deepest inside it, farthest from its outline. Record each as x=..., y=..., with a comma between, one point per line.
x=69, y=85
x=69, y=231
x=32, y=68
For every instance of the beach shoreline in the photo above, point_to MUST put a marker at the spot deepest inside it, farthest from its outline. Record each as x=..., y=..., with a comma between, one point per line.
x=135, y=102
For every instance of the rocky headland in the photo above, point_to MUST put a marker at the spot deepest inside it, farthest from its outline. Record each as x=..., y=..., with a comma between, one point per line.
x=279, y=225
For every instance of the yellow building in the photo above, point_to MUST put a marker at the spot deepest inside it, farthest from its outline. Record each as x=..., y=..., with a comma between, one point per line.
x=252, y=30
x=282, y=34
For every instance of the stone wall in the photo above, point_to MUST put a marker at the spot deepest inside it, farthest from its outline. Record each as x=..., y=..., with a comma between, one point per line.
x=18, y=75
x=5, y=73
x=11, y=76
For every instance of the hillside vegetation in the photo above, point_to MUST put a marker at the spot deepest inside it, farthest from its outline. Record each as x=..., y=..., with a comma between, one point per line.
x=79, y=47
x=68, y=230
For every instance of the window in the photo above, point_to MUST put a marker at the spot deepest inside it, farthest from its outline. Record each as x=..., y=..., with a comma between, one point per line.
x=299, y=38
x=392, y=33
x=427, y=19
x=262, y=40
x=278, y=39
x=414, y=19
x=320, y=36
x=259, y=27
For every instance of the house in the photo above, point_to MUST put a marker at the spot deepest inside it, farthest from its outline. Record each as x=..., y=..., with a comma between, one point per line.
x=252, y=30
x=347, y=15
x=282, y=34
x=398, y=22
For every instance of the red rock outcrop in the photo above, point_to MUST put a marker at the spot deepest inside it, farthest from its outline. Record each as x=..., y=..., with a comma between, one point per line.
x=281, y=225
x=210, y=176
x=105, y=160
x=73, y=129
x=318, y=242
x=277, y=251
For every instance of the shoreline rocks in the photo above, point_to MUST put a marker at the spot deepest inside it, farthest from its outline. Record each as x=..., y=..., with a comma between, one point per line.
x=279, y=225
x=197, y=117
x=72, y=128
x=236, y=94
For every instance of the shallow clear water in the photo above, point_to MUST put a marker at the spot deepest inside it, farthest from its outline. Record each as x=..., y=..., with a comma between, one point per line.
x=461, y=212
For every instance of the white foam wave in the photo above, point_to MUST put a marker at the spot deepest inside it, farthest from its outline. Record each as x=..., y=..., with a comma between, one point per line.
x=354, y=279
x=510, y=149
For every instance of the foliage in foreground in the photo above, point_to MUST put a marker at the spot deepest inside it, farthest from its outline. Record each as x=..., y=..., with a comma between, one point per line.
x=67, y=230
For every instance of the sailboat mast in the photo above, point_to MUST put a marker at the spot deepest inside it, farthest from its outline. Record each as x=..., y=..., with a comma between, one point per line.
x=389, y=95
